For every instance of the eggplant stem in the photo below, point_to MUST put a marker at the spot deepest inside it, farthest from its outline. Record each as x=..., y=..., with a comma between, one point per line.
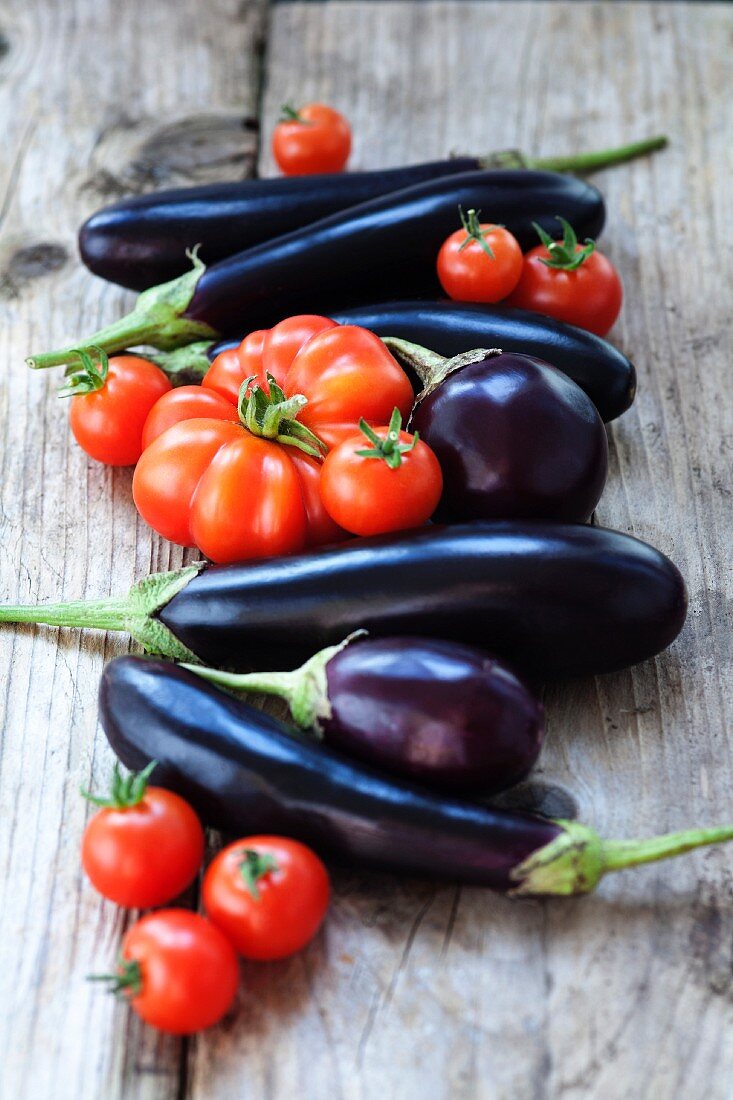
x=432, y=369
x=136, y=613
x=158, y=319
x=304, y=689
x=577, y=859
x=186, y=365
x=576, y=162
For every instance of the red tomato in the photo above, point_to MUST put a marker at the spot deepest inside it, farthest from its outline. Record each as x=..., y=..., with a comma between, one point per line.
x=185, y=403
x=264, y=352
x=179, y=972
x=267, y=894
x=479, y=263
x=144, y=847
x=392, y=486
x=572, y=282
x=210, y=483
x=111, y=404
x=314, y=139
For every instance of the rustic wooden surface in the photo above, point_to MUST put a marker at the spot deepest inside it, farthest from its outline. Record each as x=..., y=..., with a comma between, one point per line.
x=413, y=990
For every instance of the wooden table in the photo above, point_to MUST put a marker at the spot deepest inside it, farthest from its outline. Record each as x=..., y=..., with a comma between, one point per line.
x=414, y=990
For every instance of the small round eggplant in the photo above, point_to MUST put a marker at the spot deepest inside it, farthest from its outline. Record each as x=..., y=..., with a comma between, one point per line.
x=441, y=713
x=515, y=438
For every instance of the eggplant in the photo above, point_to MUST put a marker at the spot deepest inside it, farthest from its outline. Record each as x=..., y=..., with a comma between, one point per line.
x=386, y=246
x=515, y=438
x=142, y=241
x=444, y=714
x=244, y=772
x=553, y=599
x=450, y=328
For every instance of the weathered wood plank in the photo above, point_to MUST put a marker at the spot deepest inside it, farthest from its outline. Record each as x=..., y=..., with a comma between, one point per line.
x=421, y=991
x=96, y=99
x=413, y=990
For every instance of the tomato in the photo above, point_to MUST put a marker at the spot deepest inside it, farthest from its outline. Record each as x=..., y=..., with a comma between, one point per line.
x=314, y=139
x=267, y=894
x=572, y=282
x=177, y=970
x=144, y=846
x=208, y=482
x=479, y=263
x=393, y=485
x=185, y=403
x=110, y=401
x=263, y=352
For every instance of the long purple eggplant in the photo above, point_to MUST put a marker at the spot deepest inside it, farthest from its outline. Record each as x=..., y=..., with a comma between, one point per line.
x=553, y=599
x=450, y=328
x=384, y=247
x=445, y=714
x=244, y=772
x=142, y=241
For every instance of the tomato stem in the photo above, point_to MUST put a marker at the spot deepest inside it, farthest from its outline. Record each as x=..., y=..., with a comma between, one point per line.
x=126, y=982
x=272, y=415
x=564, y=255
x=127, y=790
x=474, y=232
x=288, y=113
x=388, y=448
x=576, y=860
x=89, y=377
x=254, y=866
x=577, y=162
x=158, y=319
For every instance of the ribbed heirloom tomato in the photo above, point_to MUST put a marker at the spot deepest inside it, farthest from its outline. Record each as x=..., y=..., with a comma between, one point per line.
x=233, y=467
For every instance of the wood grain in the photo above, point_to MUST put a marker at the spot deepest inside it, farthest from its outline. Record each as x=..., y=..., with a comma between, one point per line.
x=413, y=990
x=97, y=99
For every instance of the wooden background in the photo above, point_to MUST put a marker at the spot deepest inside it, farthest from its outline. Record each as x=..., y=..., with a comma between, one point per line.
x=414, y=990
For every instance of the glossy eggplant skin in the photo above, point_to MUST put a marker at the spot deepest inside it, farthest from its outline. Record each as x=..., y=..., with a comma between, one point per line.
x=516, y=439
x=384, y=247
x=439, y=713
x=553, y=599
x=450, y=328
x=142, y=241
x=245, y=772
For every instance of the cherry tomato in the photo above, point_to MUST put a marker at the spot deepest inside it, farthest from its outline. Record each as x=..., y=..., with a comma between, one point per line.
x=479, y=263
x=144, y=846
x=393, y=485
x=572, y=282
x=314, y=139
x=267, y=894
x=208, y=482
x=110, y=401
x=178, y=971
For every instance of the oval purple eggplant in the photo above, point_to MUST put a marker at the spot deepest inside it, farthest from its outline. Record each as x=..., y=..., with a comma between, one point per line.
x=438, y=712
x=441, y=713
x=516, y=439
